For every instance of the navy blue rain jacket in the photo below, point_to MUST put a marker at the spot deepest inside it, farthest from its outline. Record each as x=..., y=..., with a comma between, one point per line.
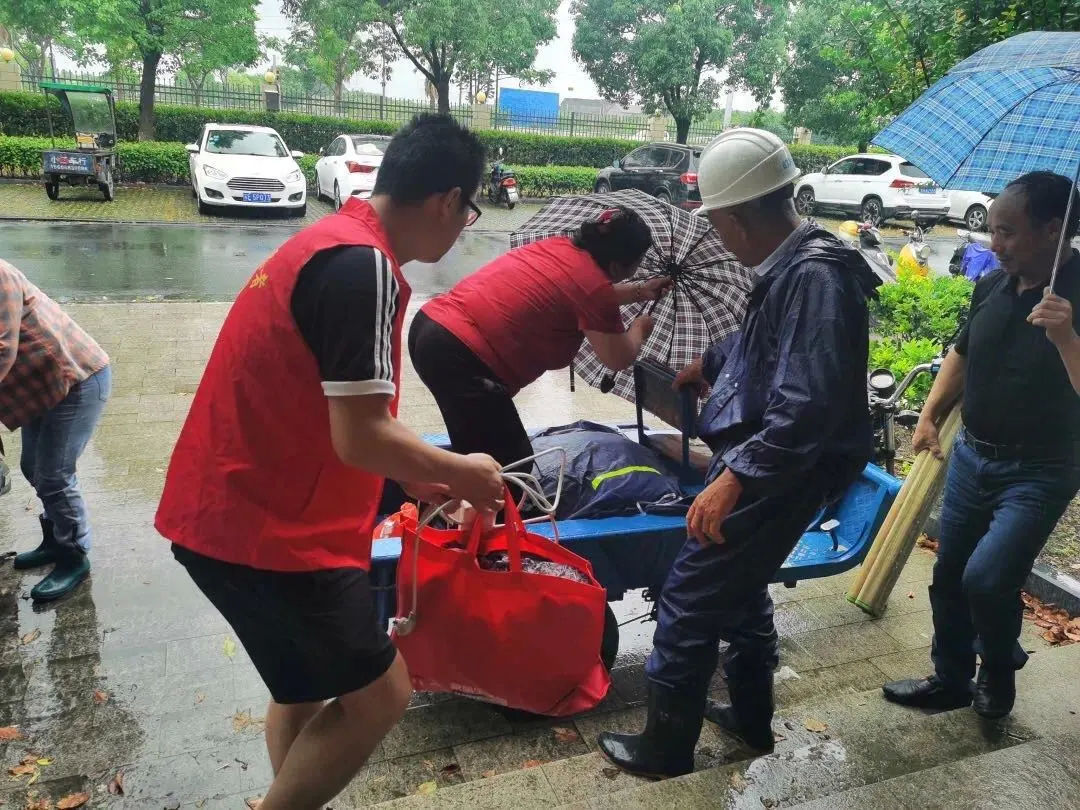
x=788, y=392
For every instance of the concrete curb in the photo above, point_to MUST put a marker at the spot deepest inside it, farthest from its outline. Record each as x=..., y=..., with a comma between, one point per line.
x=1044, y=582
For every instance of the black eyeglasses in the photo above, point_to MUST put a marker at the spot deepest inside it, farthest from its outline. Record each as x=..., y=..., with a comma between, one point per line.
x=474, y=213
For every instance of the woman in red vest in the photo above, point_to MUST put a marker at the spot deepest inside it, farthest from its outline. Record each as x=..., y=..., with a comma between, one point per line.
x=525, y=313
x=272, y=490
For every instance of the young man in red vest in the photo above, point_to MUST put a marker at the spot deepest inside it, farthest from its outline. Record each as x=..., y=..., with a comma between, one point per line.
x=272, y=490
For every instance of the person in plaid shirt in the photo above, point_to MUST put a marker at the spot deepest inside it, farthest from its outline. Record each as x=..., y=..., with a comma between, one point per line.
x=54, y=381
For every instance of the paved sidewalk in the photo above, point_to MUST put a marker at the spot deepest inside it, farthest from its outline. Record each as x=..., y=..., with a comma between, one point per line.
x=165, y=204
x=137, y=674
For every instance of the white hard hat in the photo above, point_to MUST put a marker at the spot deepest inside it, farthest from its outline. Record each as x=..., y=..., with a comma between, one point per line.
x=740, y=165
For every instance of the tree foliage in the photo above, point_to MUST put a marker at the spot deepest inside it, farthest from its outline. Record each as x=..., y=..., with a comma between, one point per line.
x=31, y=28
x=160, y=31
x=438, y=36
x=328, y=41
x=669, y=55
x=855, y=64
x=216, y=53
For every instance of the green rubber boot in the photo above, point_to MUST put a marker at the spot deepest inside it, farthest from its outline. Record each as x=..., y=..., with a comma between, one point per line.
x=65, y=577
x=45, y=554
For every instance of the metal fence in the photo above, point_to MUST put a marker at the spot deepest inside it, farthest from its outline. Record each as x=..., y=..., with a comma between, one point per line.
x=368, y=107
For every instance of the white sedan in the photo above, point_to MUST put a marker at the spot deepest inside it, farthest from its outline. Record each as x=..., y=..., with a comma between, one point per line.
x=349, y=166
x=969, y=207
x=238, y=165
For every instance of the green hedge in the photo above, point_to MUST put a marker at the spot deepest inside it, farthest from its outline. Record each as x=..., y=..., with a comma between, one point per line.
x=552, y=181
x=140, y=162
x=814, y=158
x=913, y=319
x=24, y=114
x=527, y=149
x=158, y=162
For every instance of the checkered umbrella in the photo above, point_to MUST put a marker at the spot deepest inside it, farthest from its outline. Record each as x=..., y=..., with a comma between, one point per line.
x=710, y=289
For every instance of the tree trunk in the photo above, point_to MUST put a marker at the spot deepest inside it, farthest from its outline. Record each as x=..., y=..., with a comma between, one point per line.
x=197, y=88
x=146, y=95
x=338, y=84
x=682, y=129
x=443, y=88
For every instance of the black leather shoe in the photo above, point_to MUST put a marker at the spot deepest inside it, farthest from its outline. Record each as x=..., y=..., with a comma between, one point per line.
x=926, y=693
x=45, y=554
x=65, y=577
x=995, y=692
x=666, y=747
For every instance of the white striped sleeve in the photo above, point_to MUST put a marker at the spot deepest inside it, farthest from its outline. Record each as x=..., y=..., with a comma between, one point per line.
x=345, y=304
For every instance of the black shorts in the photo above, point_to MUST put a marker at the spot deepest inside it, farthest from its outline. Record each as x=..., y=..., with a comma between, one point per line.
x=312, y=635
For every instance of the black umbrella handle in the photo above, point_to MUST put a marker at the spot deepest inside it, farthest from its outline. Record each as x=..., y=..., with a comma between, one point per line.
x=607, y=384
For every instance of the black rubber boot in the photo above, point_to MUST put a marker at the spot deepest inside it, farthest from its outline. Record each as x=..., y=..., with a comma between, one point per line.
x=748, y=718
x=995, y=691
x=44, y=554
x=68, y=573
x=666, y=747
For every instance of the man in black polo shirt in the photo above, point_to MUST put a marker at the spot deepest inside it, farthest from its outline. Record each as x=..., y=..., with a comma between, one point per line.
x=1016, y=464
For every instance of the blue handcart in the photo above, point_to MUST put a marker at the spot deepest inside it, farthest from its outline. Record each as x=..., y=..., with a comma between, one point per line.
x=634, y=552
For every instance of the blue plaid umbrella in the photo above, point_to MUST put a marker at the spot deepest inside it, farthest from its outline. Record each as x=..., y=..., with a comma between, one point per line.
x=1009, y=109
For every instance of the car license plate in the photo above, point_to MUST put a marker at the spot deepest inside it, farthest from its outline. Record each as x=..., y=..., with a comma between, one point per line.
x=256, y=196
x=928, y=189
x=512, y=194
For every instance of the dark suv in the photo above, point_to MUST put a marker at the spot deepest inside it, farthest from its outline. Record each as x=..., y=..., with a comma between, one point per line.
x=667, y=171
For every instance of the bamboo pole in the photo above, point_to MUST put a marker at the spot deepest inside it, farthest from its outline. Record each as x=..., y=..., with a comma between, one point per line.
x=901, y=529
x=926, y=483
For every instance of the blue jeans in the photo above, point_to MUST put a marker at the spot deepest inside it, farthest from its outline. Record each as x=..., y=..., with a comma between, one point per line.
x=51, y=445
x=995, y=519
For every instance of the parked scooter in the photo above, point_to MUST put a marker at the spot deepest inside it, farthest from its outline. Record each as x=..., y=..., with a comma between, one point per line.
x=885, y=412
x=867, y=240
x=502, y=184
x=915, y=255
x=973, y=258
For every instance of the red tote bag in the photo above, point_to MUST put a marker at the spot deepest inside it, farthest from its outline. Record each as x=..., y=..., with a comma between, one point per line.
x=525, y=640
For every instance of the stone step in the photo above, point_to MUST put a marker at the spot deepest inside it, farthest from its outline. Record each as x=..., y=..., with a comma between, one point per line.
x=867, y=742
x=950, y=759
x=1038, y=774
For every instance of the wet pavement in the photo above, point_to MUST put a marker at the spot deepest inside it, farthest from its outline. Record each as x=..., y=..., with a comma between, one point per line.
x=136, y=679
x=118, y=261
x=210, y=262
x=137, y=674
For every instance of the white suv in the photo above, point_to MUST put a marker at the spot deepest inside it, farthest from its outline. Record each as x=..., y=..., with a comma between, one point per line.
x=239, y=165
x=875, y=188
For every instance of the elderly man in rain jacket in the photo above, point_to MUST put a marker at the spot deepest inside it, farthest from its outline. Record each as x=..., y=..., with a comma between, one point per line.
x=788, y=424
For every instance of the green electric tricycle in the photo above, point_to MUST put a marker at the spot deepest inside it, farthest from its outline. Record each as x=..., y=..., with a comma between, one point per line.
x=93, y=160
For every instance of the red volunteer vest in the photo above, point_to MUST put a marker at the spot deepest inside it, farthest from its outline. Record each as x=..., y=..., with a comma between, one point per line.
x=254, y=479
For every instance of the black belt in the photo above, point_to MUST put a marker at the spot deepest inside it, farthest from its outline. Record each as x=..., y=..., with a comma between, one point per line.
x=1061, y=451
